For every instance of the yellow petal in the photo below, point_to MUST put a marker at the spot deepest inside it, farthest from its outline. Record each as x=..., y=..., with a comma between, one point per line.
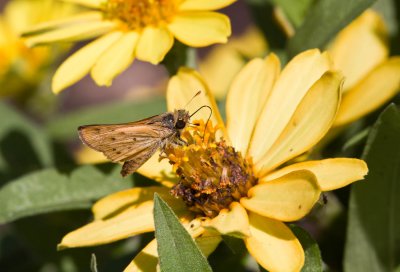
x=154, y=44
x=293, y=83
x=247, y=96
x=75, y=32
x=194, y=227
x=233, y=222
x=378, y=87
x=224, y=61
x=183, y=86
x=208, y=242
x=204, y=4
x=331, y=173
x=273, y=245
x=203, y=28
x=86, y=155
x=160, y=171
x=359, y=47
x=87, y=3
x=287, y=198
x=63, y=22
x=146, y=260
x=310, y=122
x=220, y=67
x=130, y=222
x=79, y=64
x=116, y=202
x=115, y=59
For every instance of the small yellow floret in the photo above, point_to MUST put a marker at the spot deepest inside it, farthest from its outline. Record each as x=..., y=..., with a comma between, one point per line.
x=137, y=14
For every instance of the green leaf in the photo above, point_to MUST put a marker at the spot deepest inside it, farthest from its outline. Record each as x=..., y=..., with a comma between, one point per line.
x=263, y=15
x=176, y=248
x=324, y=20
x=93, y=263
x=295, y=10
x=358, y=138
x=180, y=55
x=373, y=231
x=23, y=146
x=387, y=8
x=313, y=262
x=49, y=190
x=65, y=127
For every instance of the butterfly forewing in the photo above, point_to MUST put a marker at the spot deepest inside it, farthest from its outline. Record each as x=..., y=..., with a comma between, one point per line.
x=123, y=142
x=135, y=142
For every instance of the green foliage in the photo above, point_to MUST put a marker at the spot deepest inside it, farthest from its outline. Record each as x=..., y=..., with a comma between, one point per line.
x=313, y=262
x=93, y=263
x=176, y=248
x=324, y=20
x=49, y=190
x=295, y=10
x=263, y=15
x=23, y=146
x=374, y=221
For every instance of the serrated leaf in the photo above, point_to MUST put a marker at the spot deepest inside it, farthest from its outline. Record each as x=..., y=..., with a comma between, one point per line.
x=176, y=248
x=373, y=235
x=49, y=190
x=65, y=127
x=23, y=146
x=313, y=261
x=324, y=20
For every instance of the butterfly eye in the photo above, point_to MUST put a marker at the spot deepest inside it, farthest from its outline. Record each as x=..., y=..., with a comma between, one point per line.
x=180, y=124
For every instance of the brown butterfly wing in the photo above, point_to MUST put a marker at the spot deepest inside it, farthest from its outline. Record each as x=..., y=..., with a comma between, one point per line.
x=133, y=142
x=138, y=160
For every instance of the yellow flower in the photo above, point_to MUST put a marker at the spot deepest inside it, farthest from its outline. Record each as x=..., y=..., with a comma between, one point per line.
x=360, y=51
x=129, y=29
x=20, y=67
x=233, y=179
x=224, y=61
x=372, y=78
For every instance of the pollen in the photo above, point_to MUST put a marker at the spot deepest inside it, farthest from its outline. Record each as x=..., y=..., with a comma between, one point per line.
x=211, y=173
x=137, y=14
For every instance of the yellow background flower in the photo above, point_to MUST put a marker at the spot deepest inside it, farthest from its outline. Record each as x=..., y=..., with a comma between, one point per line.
x=20, y=67
x=129, y=29
x=360, y=51
x=272, y=117
x=372, y=78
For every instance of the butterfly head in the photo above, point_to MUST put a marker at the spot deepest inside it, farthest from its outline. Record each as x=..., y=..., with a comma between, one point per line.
x=181, y=118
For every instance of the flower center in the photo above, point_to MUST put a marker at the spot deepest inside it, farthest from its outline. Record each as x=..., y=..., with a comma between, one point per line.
x=212, y=174
x=137, y=14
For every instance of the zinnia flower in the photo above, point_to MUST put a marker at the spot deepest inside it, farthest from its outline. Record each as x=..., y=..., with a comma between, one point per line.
x=129, y=29
x=235, y=179
x=220, y=66
x=21, y=68
x=360, y=51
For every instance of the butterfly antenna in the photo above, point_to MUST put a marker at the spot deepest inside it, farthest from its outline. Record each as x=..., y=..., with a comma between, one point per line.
x=208, y=119
x=197, y=94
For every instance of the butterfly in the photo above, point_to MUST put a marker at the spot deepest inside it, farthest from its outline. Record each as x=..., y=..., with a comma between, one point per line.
x=134, y=143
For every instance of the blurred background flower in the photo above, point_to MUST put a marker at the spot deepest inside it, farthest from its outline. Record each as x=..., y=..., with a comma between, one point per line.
x=128, y=30
x=23, y=71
